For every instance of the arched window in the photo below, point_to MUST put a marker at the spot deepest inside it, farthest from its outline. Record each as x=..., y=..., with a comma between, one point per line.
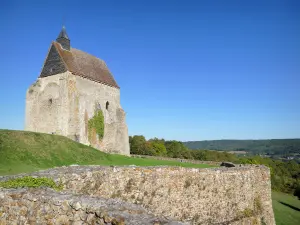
x=107, y=104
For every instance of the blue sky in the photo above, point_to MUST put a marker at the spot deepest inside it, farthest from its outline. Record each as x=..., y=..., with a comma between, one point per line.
x=188, y=70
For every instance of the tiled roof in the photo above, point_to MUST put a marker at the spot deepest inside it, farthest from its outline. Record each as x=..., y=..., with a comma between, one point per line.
x=86, y=65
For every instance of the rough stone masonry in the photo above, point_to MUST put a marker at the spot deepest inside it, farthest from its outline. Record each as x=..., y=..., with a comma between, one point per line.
x=72, y=87
x=45, y=206
x=238, y=195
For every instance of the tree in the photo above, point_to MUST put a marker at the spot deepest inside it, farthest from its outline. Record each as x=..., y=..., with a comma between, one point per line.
x=199, y=155
x=147, y=149
x=159, y=148
x=176, y=149
x=137, y=144
x=157, y=140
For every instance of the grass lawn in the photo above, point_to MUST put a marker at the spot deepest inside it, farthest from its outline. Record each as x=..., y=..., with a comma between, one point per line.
x=286, y=209
x=22, y=151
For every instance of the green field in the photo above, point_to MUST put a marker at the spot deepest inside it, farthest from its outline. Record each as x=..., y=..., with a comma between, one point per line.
x=22, y=151
x=286, y=209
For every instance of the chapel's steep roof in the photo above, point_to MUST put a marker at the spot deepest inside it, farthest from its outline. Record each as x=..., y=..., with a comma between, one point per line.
x=62, y=57
x=85, y=65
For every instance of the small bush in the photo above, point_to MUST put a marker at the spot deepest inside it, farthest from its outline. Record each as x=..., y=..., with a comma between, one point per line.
x=297, y=192
x=31, y=182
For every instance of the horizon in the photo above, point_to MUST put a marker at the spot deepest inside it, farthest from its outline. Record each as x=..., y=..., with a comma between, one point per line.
x=188, y=70
x=247, y=139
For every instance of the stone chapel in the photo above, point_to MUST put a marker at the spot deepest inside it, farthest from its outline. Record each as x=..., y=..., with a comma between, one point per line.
x=76, y=96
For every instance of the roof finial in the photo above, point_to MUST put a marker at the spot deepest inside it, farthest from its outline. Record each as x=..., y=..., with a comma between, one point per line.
x=63, y=21
x=63, y=33
x=63, y=39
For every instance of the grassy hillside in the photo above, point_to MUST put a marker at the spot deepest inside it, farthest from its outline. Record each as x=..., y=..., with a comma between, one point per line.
x=274, y=146
x=22, y=151
x=286, y=209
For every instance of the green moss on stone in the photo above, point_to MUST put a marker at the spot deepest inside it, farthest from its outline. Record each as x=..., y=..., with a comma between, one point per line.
x=31, y=182
x=97, y=123
x=258, y=205
x=247, y=213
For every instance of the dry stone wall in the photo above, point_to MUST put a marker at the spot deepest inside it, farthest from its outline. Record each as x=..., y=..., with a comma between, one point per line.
x=240, y=195
x=45, y=206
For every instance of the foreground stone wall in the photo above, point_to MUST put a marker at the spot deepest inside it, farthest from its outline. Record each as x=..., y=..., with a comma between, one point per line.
x=45, y=206
x=240, y=195
x=63, y=104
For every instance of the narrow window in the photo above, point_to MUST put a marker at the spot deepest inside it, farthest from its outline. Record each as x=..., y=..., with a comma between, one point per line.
x=50, y=101
x=107, y=104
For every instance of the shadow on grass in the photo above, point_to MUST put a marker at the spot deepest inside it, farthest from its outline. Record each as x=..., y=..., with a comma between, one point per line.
x=288, y=205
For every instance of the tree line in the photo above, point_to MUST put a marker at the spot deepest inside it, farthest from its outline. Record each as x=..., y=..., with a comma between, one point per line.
x=174, y=149
x=285, y=176
x=273, y=147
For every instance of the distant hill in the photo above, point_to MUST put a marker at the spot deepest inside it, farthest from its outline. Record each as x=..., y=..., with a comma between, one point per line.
x=272, y=146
